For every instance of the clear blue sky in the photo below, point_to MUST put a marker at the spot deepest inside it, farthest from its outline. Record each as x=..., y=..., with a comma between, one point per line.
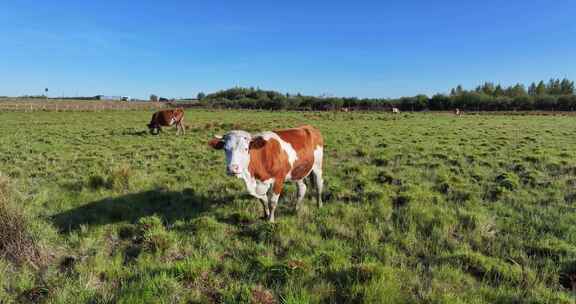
x=344, y=48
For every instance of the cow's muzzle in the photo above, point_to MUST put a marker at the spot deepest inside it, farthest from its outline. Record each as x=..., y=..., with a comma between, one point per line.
x=233, y=170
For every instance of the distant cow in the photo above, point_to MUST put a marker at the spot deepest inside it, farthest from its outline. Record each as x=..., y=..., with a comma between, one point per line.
x=458, y=112
x=167, y=118
x=395, y=110
x=266, y=160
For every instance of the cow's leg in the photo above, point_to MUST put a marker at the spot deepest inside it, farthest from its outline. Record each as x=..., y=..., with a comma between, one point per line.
x=264, y=201
x=259, y=191
x=153, y=128
x=181, y=124
x=265, y=207
x=317, y=172
x=301, y=193
x=276, y=190
x=319, y=183
x=273, y=203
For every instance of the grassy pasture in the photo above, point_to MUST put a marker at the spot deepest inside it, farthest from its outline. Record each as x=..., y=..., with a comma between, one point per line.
x=419, y=208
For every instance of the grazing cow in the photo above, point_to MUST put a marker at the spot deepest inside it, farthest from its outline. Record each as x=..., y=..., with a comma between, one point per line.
x=167, y=118
x=395, y=110
x=268, y=159
x=458, y=112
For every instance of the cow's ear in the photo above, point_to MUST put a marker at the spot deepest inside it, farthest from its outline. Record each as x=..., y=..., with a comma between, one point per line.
x=257, y=143
x=216, y=143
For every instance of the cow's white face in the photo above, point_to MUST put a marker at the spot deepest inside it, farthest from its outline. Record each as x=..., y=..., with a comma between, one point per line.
x=236, y=145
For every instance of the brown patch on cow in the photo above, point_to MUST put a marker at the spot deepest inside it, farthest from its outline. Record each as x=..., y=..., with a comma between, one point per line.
x=257, y=143
x=268, y=159
x=279, y=184
x=216, y=143
x=304, y=140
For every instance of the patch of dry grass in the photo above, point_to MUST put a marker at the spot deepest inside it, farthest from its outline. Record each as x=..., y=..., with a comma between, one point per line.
x=17, y=243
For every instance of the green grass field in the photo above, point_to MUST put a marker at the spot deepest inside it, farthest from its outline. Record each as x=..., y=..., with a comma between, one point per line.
x=419, y=208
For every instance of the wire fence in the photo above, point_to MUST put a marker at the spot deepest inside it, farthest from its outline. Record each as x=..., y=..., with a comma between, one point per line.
x=8, y=105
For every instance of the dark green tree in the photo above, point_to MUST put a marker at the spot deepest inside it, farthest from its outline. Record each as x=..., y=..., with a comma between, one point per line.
x=532, y=89
x=566, y=87
x=554, y=87
x=498, y=91
x=487, y=88
x=516, y=91
x=541, y=89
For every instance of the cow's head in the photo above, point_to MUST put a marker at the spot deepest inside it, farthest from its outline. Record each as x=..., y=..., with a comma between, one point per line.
x=236, y=145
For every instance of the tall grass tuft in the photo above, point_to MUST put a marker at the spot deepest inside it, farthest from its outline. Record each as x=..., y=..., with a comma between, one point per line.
x=120, y=178
x=17, y=244
x=153, y=235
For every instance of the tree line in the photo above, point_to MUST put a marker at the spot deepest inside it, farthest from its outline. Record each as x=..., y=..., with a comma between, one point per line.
x=554, y=95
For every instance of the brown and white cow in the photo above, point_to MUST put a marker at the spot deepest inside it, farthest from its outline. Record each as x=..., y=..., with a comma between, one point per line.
x=167, y=118
x=266, y=160
x=395, y=110
x=458, y=112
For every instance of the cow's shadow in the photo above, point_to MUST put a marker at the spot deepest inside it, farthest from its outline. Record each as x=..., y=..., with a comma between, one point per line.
x=131, y=132
x=169, y=205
